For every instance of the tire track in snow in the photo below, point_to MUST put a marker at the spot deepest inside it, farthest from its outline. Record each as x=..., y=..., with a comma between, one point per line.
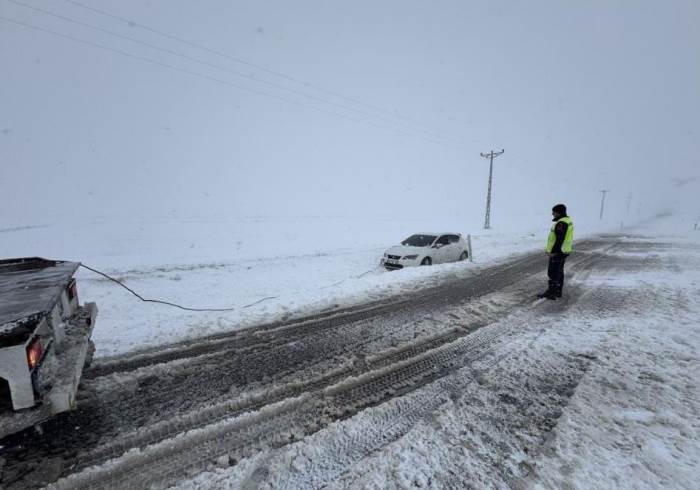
x=162, y=430
x=167, y=462
x=540, y=396
x=284, y=334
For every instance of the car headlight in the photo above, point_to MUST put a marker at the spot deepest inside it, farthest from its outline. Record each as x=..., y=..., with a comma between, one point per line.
x=410, y=257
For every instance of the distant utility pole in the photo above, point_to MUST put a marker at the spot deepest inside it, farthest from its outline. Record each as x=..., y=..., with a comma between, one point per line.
x=602, y=202
x=490, y=156
x=629, y=203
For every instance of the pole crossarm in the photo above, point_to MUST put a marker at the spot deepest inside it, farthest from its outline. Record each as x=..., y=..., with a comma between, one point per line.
x=494, y=153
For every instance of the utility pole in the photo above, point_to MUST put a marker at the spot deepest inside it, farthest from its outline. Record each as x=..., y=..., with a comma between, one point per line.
x=629, y=203
x=490, y=156
x=602, y=202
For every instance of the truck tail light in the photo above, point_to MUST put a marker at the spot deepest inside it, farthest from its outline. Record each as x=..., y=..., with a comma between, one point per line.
x=72, y=290
x=34, y=353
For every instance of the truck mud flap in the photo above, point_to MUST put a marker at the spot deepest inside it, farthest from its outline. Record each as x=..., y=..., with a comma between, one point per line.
x=71, y=361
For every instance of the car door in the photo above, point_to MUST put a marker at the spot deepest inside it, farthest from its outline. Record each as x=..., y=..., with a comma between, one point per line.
x=455, y=248
x=441, y=251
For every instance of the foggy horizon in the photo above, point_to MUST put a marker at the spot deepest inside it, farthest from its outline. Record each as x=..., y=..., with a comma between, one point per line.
x=372, y=109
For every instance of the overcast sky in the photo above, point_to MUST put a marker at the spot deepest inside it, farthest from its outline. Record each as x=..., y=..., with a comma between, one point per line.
x=359, y=108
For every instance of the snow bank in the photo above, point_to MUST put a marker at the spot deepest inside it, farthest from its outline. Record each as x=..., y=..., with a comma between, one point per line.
x=265, y=268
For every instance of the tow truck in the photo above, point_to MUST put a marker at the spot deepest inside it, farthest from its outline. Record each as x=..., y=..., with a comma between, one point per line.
x=45, y=341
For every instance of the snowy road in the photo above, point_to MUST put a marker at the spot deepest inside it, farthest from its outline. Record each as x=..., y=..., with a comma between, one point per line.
x=465, y=384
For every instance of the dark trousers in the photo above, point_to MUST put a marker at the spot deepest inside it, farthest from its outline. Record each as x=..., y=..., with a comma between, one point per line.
x=555, y=271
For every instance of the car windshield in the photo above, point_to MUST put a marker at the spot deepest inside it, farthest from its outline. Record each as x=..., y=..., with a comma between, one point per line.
x=419, y=240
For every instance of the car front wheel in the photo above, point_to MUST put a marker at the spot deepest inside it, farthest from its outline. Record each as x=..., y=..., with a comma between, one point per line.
x=464, y=256
x=427, y=261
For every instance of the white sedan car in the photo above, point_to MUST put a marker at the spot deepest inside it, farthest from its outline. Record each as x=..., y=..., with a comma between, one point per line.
x=426, y=249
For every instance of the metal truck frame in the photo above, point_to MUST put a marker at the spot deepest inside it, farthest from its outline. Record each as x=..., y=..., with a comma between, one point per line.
x=44, y=340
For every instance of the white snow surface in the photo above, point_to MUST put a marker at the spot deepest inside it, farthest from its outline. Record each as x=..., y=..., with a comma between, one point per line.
x=264, y=268
x=631, y=421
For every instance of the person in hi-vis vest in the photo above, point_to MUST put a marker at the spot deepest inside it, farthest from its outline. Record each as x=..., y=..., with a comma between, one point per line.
x=559, y=246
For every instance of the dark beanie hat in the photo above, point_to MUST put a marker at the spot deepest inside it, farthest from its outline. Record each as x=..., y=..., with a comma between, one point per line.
x=559, y=208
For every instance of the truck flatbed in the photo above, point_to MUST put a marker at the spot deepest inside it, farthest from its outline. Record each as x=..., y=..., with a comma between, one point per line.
x=29, y=289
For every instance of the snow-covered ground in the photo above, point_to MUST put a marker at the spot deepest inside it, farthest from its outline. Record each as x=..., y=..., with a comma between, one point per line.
x=263, y=268
x=602, y=393
x=492, y=390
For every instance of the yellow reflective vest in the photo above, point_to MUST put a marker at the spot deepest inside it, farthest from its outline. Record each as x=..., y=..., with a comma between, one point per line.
x=567, y=246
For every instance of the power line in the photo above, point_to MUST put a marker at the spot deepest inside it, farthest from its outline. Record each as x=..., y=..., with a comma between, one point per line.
x=210, y=78
x=146, y=300
x=211, y=65
x=168, y=303
x=223, y=54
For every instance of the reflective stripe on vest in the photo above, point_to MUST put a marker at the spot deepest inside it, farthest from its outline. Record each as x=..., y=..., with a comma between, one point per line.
x=568, y=244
